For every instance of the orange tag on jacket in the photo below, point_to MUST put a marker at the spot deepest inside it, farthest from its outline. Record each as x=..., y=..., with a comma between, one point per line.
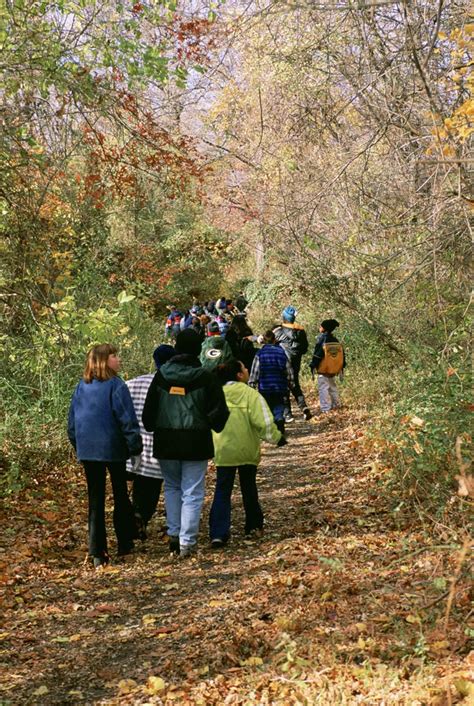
x=177, y=390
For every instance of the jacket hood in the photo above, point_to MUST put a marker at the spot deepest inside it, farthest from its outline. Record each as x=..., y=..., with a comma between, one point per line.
x=184, y=369
x=236, y=392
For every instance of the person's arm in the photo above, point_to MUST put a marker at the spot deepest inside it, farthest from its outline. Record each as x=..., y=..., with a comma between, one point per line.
x=318, y=353
x=150, y=406
x=255, y=372
x=217, y=411
x=304, y=345
x=124, y=411
x=71, y=424
x=261, y=418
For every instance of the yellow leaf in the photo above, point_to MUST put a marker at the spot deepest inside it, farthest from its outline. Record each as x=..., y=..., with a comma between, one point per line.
x=4, y=635
x=154, y=685
x=464, y=687
x=439, y=646
x=361, y=643
x=126, y=685
x=76, y=637
x=170, y=586
x=251, y=662
x=442, y=35
x=149, y=619
x=211, y=580
x=204, y=670
x=75, y=692
x=413, y=619
x=216, y=604
x=41, y=690
x=325, y=596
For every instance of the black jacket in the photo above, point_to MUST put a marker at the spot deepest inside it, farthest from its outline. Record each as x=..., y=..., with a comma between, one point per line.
x=242, y=348
x=184, y=403
x=292, y=338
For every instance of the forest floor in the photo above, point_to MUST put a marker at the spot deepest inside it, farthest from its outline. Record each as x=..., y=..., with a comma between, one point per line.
x=343, y=601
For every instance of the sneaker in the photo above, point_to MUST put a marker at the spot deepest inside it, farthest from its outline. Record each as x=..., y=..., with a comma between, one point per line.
x=174, y=545
x=218, y=543
x=289, y=418
x=307, y=414
x=187, y=550
x=100, y=561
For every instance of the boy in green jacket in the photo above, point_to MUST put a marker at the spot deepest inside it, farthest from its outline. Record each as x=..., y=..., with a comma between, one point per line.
x=237, y=448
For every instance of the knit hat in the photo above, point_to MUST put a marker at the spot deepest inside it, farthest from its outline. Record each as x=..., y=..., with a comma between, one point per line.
x=188, y=342
x=162, y=354
x=213, y=328
x=289, y=314
x=329, y=325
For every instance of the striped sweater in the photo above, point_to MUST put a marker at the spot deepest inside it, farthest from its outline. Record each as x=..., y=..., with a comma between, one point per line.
x=149, y=465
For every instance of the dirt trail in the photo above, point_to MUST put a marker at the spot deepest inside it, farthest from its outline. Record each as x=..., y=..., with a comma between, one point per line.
x=339, y=603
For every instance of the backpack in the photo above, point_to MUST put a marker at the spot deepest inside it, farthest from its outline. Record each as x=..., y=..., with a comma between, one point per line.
x=333, y=360
x=215, y=351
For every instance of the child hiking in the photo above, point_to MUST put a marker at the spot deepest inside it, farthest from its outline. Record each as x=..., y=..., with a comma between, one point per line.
x=272, y=375
x=147, y=476
x=237, y=449
x=103, y=428
x=292, y=338
x=328, y=360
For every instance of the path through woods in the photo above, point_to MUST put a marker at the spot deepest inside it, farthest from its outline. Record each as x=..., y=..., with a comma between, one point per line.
x=339, y=603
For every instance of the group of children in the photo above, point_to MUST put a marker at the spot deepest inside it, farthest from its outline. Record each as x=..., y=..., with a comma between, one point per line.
x=198, y=316
x=217, y=398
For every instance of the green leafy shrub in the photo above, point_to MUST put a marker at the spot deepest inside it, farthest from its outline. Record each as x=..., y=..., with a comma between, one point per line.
x=40, y=373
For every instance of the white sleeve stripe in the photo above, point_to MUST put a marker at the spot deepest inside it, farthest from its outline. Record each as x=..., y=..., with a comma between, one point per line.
x=268, y=419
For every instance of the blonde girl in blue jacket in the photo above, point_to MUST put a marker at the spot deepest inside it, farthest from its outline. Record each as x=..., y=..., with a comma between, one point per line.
x=103, y=428
x=237, y=448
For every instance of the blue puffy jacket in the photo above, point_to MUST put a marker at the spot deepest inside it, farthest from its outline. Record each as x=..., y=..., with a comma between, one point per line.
x=102, y=424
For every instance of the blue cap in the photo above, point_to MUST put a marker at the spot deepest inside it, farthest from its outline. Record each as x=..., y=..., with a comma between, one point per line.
x=289, y=314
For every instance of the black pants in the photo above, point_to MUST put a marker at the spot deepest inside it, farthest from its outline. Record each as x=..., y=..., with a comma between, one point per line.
x=219, y=517
x=145, y=496
x=124, y=520
x=297, y=391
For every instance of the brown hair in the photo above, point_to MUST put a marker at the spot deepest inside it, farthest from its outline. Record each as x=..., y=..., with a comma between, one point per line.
x=96, y=363
x=269, y=337
x=227, y=372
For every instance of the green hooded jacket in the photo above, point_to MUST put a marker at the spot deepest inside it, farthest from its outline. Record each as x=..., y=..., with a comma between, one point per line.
x=250, y=421
x=184, y=402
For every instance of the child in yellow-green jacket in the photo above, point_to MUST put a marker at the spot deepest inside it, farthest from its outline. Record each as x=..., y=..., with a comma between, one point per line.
x=237, y=448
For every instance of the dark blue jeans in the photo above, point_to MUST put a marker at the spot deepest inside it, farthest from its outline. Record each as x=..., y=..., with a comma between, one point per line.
x=124, y=519
x=219, y=518
x=276, y=402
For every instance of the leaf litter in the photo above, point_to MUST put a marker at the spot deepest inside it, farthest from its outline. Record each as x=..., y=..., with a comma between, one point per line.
x=342, y=600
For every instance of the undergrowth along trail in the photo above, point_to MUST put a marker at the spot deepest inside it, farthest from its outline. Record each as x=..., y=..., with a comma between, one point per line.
x=341, y=602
